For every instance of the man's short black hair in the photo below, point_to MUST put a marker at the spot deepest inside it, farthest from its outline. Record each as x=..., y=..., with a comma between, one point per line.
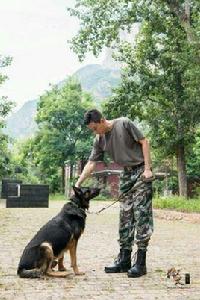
x=92, y=115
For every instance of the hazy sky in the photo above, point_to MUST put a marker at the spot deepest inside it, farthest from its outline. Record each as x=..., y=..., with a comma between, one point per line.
x=35, y=34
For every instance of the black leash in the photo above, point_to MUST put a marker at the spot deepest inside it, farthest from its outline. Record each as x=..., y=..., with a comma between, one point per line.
x=150, y=179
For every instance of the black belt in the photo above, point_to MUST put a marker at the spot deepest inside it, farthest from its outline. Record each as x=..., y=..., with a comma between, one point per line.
x=133, y=168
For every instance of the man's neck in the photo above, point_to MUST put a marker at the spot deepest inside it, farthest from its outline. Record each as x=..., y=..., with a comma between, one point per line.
x=109, y=125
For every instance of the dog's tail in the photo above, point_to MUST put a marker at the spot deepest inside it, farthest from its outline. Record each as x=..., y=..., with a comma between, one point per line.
x=34, y=273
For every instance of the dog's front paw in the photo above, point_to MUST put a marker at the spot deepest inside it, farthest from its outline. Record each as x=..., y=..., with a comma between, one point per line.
x=78, y=273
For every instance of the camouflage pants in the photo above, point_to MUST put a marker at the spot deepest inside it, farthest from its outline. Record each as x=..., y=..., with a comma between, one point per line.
x=136, y=218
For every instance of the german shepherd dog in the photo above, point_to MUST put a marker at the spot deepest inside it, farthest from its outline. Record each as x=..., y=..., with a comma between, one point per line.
x=46, y=249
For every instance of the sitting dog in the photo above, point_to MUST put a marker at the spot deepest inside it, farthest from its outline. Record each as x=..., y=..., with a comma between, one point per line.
x=56, y=237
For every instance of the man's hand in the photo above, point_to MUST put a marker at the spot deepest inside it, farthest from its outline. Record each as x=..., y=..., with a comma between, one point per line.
x=147, y=174
x=88, y=169
x=77, y=184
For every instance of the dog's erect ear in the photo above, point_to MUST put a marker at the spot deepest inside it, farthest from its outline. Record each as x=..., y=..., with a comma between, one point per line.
x=77, y=191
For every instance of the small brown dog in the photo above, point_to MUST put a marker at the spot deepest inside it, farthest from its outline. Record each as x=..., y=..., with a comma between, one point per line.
x=175, y=275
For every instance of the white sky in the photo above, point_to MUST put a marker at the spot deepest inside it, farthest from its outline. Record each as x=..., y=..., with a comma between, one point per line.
x=35, y=34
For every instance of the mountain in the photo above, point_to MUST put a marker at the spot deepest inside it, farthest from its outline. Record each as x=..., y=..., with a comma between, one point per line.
x=96, y=79
x=21, y=123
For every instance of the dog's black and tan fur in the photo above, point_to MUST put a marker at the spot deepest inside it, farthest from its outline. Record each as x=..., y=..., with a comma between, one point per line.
x=56, y=237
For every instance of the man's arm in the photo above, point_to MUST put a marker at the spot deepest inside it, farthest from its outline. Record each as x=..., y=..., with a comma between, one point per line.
x=147, y=158
x=88, y=169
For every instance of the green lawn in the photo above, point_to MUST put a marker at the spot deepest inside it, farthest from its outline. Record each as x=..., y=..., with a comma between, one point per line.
x=177, y=203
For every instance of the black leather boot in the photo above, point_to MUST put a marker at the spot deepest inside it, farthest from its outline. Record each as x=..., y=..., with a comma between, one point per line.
x=122, y=263
x=139, y=268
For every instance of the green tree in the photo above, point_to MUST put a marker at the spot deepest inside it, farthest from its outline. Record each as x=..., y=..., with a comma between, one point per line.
x=101, y=21
x=23, y=161
x=5, y=104
x=193, y=165
x=61, y=129
x=5, y=107
x=160, y=86
x=5, y=156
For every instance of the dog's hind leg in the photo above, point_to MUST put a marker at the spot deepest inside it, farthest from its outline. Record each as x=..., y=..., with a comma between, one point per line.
x=48, y=260
x=61, y=266
x=54, y=264
x=46, y=257
x=41, y=264
x=73, y=257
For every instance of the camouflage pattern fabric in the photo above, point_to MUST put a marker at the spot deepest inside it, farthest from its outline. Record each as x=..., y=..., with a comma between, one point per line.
x=136, y=218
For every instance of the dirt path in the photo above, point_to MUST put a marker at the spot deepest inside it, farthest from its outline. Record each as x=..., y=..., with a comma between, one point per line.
x=175, y=242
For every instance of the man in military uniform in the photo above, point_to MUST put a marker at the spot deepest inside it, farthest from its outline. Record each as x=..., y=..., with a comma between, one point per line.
x=127, y=146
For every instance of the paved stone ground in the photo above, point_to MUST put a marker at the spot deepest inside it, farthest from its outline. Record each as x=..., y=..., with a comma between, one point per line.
x=175, y=243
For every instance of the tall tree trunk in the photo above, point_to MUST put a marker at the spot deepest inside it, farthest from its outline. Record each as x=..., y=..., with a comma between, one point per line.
x=71, y=175
x=63, y=180
x=181, y=168
x=71, y=171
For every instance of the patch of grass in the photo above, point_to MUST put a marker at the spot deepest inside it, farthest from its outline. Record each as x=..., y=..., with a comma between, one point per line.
x=178, y=203
x=159, y=271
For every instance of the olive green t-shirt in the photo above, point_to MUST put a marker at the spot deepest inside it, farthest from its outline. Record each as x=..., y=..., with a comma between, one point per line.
x=121, y=144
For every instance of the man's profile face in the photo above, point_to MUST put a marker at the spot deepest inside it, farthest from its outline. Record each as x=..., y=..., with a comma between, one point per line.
x=97, y=128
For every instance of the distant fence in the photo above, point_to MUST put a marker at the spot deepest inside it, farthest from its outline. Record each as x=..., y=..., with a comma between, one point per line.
x=24, y=195
x=9, y=187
